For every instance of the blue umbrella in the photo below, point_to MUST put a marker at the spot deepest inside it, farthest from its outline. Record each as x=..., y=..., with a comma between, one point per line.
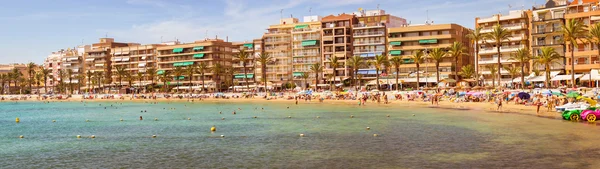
x=524, y=96
x=462, y=93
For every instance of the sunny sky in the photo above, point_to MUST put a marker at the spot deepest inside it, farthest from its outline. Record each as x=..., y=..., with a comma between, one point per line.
x=32, y=29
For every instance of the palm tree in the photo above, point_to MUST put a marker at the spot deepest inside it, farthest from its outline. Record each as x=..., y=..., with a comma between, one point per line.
x=80, y=80
x=70, y=74
x=305, y=76
x=89, y=75
x=457, y=50
x=178, y=72
x=243, y=56
x=493, y=69
x=396, y=62
x=228, y=72
x=202, y=69
x=15, y=75
x=99, y=77
x=130, y=78
x=45, y=72
x=2, y=83
x=476, y=36
x=264, y=59
x=166, y=76
x=593, y=36
x=547, y=57
x=381, y=62
x=120, y=73
x=151, y=72
x=512, y=71
x=217, y=70
x=523, y=57
x=39, y=77
x=418, y=58
x=572, y=30
x=498, y=35
x=334, y=62
x=61, y=76
x=317, y=69
x=189, y=71
x=31, y=71
x=467, y=71
x=356, y=62
x=437, y=55
x=139, y=77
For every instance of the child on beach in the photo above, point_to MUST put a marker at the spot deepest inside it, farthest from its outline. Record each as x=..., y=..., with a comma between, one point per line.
x=499, y=104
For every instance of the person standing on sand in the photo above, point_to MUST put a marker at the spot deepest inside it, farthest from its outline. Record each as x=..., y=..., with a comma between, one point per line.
x=499, y=104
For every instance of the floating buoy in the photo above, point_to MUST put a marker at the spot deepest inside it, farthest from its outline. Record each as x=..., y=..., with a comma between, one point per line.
x=301, y=135
x=213, y=129
x=223, y=118
x=220, y=112
x=155, y=119
x=368, y=128
x=189, y=118
x=255, y=117
x=120, y=119
x=17, y=120
x=289, y=117
x=222, y=135
x=78, y=136
x=318, y=117
x=53, y=121
x=374, y=135
x=86, y=120
x=413, y=114
x=93, y=136
x=153, y=136
x=351, y=116
x=21, y=136
x=388, y=115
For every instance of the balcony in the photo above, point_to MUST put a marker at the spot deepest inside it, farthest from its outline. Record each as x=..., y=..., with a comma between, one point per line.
x=365, y=26
x=277, y=40
x=276, y=33
x=514, y=26
x=305, y=61
x=494, y=60
x=584, y=10
x=543, y=43
x=301, y=54
x=487, y=50
x=277, y=48
x=557, y=17
x=305, y=30
x=315, y=37
x=369, y=42
x=368, y=51
x=241, y=65
x=511, y=48
x=546, y=30
x=376, y=33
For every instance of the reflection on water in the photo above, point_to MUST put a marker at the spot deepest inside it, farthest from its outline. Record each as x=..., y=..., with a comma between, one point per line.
x=433, y=138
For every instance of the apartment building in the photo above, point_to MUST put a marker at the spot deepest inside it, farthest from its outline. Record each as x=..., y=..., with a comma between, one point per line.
x=336, y=41
x=72, y=59
x=546, y=23
x=306, y=49
x=405, y=41
x=278, y=44
x=369, y=37
x=134, y=59
x=238, y=65
x=209, y=51
x=53, y=63
x=586, y=55
x=98, y=58
x=517, y=22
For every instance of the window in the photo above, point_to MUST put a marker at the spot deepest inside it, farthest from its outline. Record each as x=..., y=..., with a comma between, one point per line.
x=384, y=18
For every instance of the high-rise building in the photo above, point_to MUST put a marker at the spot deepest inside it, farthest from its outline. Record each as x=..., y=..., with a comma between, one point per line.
x=517, y=23
x=405, y=41
x=134, y=59
x=98, y=58
x=242, y=76
x=306, y=44
x=336, y=41
x=586, y=55
x=546, y=23
x=209, y=51
x=369, y=37
x=53, y=63
x=278, y=44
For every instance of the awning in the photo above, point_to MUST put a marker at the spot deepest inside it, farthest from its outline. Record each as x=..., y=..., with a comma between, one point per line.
x=198, y=48
x=309, y=42
x=368, y=72
x=177, y=50
x=117, y=53
x=143, y=58
x=297, y=74
x=249, y=45
x=75, y=70
x=72, y=59
x=183, y=64
x=125, y=53
x=66, y=64
x=395, y=52
x=407, y=60
x=160, y=72
x=180, y=78
x=300, y=26
x=586, y=77
x=125, y=59
x=595, y=18
x=142, y=65
x=198, y=55
x=99, y=64
x=117, y=59
x=565, y=77
x=89, y=59
x=241, y=76
x=396, y=43
x=428, y=41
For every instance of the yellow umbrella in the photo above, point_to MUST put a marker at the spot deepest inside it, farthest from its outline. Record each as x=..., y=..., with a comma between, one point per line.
x=588, y=100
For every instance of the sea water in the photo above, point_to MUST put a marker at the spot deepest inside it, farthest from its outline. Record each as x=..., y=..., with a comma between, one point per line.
x=431, y=138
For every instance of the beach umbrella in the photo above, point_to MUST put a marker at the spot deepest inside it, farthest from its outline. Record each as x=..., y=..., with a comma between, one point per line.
x=557, y=94
x=547, y=92
x=461, y=93
x=524, y=96
x=573, y=95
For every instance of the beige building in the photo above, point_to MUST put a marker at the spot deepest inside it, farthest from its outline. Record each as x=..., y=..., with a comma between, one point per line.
x=369, y=37
x=405, y=41
x=586, y=55
x=209, y=51
x=278, y=44
x=306, y=51
x=546, y=23
x=517, y=22
x=98, y=58
x=336, y=41
x=134, y=59
x=238, y=65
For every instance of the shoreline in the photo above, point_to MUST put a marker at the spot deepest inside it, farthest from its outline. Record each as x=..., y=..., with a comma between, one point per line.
x=487, y=107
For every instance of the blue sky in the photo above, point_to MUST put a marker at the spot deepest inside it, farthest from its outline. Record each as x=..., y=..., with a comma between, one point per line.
x=32, y=29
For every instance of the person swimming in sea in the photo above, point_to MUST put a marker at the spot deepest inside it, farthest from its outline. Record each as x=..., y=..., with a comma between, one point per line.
x=141, y=118
x=234, y=112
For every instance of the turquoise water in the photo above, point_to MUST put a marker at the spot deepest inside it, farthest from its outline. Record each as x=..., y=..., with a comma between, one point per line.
x=433, y=138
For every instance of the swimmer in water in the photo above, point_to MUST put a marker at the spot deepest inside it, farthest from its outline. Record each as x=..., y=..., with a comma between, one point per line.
x=220, y=112
x=141, y=118
x=234, y=112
